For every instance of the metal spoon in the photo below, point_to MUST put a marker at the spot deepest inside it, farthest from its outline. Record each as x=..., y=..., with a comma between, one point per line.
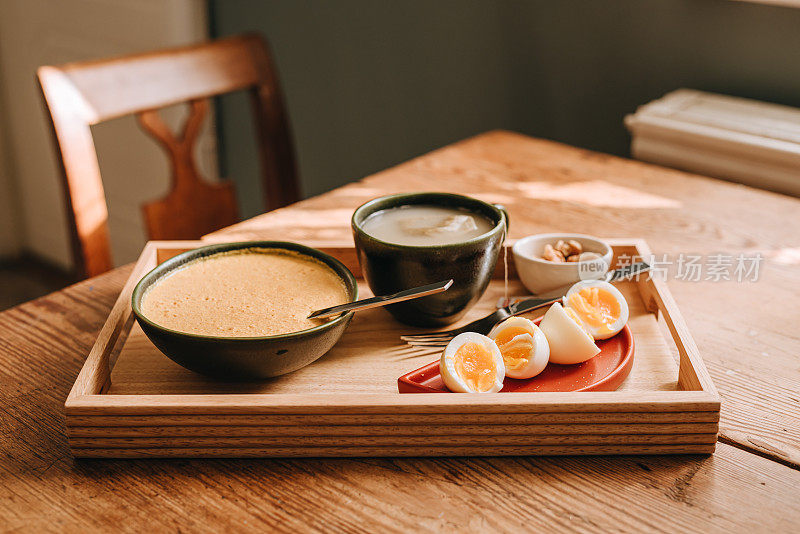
x=375, y=302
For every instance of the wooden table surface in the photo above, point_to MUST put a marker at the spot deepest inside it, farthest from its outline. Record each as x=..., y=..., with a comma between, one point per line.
x=747, y=333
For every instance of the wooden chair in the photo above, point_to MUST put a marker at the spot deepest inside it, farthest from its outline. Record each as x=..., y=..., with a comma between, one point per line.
x=79, y=95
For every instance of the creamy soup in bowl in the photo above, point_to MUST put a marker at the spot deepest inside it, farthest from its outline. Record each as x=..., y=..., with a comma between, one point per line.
x=245, y=293
x=239, y=310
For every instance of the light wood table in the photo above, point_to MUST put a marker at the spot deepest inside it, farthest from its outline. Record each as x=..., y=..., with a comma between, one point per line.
x=747, y=332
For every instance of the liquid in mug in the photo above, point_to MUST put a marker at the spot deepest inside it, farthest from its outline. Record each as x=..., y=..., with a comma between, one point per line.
x=423, y=225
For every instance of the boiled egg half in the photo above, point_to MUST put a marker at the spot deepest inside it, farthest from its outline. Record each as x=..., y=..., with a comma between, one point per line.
x=569, y=342
x=601, y=308
x=523, y=346
x=472, y=363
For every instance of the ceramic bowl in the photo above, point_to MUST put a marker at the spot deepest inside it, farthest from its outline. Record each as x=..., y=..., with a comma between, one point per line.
x=243, y=358
x=391, y=267
x=541, y=276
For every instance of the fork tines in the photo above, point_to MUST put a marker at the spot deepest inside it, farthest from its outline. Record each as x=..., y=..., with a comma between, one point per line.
x=428, y=344
x=428, y=340
x=432, y=335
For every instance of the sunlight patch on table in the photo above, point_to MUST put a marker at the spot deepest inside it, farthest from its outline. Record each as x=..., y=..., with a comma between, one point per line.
x=593, y=193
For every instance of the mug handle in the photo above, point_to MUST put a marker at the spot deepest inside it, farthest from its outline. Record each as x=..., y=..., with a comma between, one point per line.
x=505, y=213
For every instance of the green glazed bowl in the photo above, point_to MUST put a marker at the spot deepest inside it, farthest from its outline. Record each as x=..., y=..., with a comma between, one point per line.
x=243, y=358
x=390, y=267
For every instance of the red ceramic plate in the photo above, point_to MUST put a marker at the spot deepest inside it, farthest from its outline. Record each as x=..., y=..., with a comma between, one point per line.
x=604, y=372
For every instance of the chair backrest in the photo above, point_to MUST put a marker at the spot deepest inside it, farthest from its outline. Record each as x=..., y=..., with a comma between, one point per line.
x=79, y=95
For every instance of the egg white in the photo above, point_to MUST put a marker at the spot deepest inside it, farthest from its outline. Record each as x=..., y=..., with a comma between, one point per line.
x=540, y=352
x=447, y=368
x=624, y=312
x=569, y=342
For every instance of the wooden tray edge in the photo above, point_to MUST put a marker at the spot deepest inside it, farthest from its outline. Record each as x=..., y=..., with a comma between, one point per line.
x=291, y=452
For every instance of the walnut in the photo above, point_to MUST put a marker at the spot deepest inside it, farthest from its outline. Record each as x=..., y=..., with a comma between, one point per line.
x=563, y=251
x=551, y=254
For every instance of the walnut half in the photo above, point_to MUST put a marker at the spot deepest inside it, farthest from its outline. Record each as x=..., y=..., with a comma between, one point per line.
x=562, y=251
x=551, y=254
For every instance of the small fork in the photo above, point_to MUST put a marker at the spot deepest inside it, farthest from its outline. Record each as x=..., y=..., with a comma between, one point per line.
x=485, y=324
x=481, y=326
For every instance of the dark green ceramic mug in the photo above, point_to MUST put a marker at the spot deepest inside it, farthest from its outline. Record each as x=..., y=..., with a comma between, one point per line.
x=390, y=267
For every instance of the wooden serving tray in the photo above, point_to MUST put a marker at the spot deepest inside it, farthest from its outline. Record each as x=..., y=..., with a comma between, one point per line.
x=130, y=401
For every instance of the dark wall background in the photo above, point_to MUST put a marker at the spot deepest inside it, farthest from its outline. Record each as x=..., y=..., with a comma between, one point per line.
x=373, y=83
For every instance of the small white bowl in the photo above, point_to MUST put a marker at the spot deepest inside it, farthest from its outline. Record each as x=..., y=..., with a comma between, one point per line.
x=541, y=276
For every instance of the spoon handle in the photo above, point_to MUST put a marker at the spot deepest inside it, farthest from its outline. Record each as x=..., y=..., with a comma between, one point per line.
x=375, y=302
x=627, y=272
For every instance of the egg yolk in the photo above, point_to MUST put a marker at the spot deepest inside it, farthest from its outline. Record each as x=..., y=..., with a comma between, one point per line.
x=515, y=350
x=597, y=307
x=475, y=365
